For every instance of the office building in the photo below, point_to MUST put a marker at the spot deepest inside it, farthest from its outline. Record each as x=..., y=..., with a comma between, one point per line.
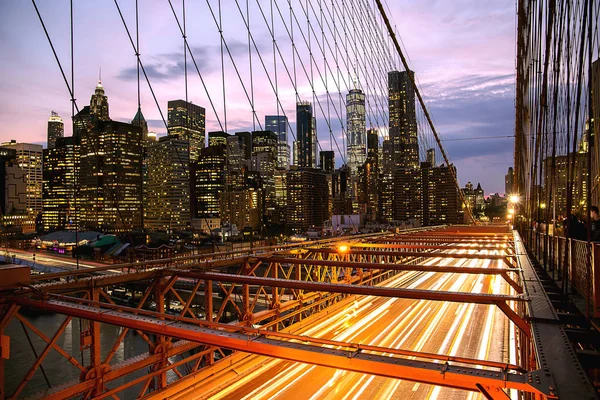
x=56, y=129
x=167, y=199
x=441, y=200
x=187, y=120
x=509, y=182
x=356, y=130
x=327, y=163
x=404, y=146
x=307, y=199
x=279, y=125
x=305, y=135
x=29, y=158
x=208, y=181
x=110, y=173
x=60, y=188
x=218, y=138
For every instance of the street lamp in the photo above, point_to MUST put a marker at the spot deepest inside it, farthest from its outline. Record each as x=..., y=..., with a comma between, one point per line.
x=343, y=248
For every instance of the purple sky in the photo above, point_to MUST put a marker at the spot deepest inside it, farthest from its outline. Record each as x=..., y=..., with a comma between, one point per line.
x=461, y=51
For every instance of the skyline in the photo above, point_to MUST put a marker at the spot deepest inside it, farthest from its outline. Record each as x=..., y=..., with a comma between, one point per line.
x=469, y=94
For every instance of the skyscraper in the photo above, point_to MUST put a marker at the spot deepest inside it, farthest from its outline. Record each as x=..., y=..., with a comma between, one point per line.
x=307, y=199
x=99, y=103
x=404, y=146
x=403, y=120
x=279, y=124
x=208, y=181
x=305, y=134
x=431, y=157
x=168, y=193
x=61, y=170
x=264, y=162
x=356, y=129
x=27, y=169
x=188, y=121
x=56, y=129
x=441, y=201
x=110, y=178
x=368, y=178
x=327, y=161
x=217, y=137
x=508, y=182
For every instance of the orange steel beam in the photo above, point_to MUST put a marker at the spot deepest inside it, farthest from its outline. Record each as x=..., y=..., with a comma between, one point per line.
x=415, y=254
x=460, y=377
x=120, y=370
x=423, y=246
x=401, y=267
x=41, y=357
x=416, y=294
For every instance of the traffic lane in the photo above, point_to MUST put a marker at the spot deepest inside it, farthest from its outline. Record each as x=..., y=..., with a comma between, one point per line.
x=374, y=386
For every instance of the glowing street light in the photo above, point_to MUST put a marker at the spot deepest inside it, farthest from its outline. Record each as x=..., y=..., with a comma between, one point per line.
x=514, y=198
x=343, y=248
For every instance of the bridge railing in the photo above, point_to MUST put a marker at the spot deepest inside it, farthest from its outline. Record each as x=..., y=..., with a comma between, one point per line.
x=573, y=264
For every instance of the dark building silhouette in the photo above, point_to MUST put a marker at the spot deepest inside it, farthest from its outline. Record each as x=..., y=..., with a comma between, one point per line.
x=327, y=163
x=305, y=135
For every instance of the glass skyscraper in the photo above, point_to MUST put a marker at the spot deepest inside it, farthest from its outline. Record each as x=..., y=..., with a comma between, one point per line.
x=278, y=124
x=356, y=130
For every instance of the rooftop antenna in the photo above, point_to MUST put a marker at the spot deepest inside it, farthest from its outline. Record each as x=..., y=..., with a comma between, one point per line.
x=100, y=74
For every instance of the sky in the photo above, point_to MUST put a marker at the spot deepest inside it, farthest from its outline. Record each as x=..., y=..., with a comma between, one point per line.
x=462, y=52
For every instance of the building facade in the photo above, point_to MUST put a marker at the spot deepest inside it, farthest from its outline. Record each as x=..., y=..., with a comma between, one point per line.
x=279, y=125
x=167, y=200
x=60, y=186
x=305, y=135
x=188, y=121
x=56, y=129
x=356, y=130
x=307, y=199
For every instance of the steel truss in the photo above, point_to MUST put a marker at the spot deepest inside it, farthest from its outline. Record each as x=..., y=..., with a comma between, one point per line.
x=279, y=290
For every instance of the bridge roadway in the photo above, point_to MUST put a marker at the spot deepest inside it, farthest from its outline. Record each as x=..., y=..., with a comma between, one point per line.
x=456, y=329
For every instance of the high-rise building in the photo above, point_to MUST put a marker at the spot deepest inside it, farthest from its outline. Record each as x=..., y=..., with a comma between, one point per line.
x=305, y=135
x=431, y=157
x=217, y=137
x=29, y=159
x=264, y=162
x=61, y=171
x=404, y=146
x=187, y=120
x=307, y=199
x=56, y=129
x=110, y=174
x=356, y=129
x=368, y=178
x=279, y=124
x=441, y=200
x=168, y=205
x=509, y=182
x=7, y=158
x=315, y=144
x=403, y=120
x=208, y=181
x=327, y=160
x=111, y=155
x=99, y=103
